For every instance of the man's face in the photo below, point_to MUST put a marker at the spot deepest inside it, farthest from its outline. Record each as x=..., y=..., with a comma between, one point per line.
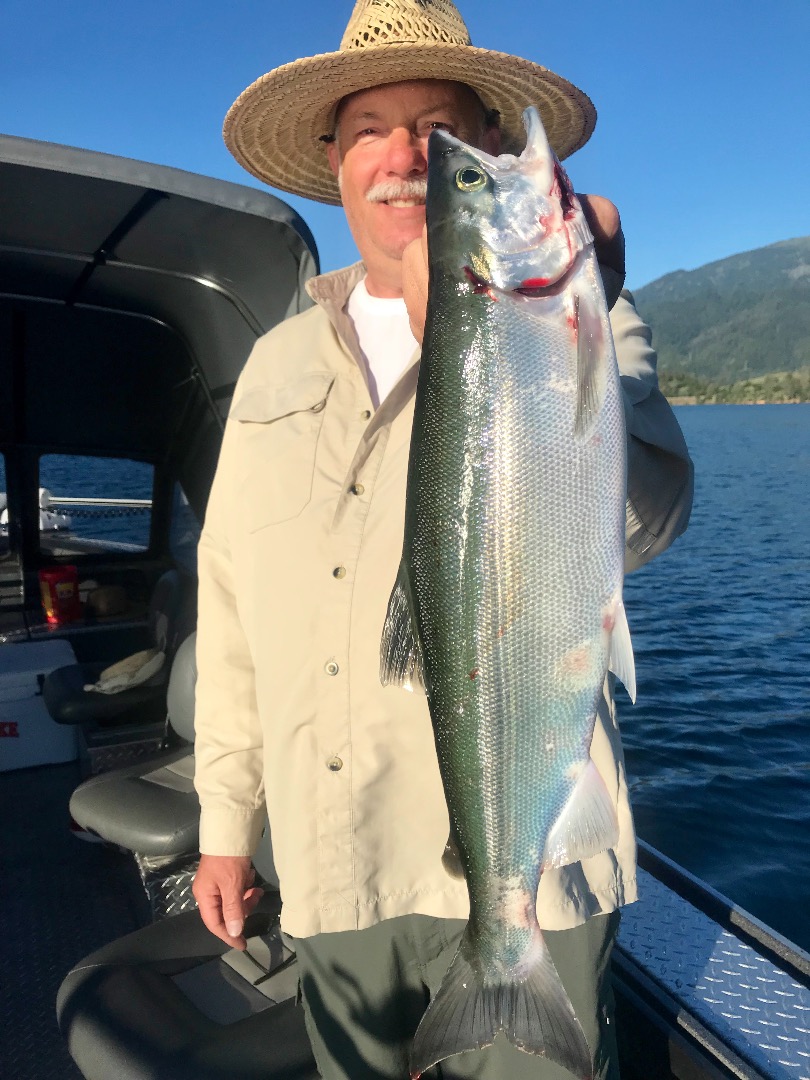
x=380, y=156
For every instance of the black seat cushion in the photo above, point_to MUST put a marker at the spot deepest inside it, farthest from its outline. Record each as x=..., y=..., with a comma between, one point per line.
x=150, y=807
x=171, y=609
x=124, y=1016
x=67, y=701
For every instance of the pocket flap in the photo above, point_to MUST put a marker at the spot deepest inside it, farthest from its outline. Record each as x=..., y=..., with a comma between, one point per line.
x=266, y=403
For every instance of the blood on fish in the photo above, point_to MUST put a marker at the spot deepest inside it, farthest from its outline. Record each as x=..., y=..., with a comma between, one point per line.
x=480, y=287
x=535, y=283
x=573, y=320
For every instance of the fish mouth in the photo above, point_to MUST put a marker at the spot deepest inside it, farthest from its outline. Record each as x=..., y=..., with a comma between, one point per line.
x=530, y=288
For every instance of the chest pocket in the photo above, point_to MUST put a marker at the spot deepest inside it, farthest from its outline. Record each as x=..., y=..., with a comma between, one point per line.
x=279, y=428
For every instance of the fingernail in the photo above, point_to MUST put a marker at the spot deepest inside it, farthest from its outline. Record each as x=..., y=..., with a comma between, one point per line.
x=234, y=928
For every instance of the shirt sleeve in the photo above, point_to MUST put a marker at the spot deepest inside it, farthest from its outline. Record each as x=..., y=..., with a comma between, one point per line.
x=660, y=475
x=228, y=735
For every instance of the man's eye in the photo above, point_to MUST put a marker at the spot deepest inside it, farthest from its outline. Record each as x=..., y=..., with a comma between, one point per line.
x=439, y=125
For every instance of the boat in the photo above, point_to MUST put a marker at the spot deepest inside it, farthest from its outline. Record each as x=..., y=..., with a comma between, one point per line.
x=130, y=296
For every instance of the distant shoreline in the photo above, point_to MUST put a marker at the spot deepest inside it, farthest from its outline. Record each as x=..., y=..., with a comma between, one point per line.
x=692, y=400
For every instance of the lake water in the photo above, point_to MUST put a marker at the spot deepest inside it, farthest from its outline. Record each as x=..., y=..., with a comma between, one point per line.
x=718, y=744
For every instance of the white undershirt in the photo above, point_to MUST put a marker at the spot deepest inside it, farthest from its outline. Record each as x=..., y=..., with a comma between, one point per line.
x=385, y=337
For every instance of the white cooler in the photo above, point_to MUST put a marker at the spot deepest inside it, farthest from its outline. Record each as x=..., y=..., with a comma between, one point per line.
x=28, y=736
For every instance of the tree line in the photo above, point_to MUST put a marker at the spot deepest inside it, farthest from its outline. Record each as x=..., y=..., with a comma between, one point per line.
x=776, y=387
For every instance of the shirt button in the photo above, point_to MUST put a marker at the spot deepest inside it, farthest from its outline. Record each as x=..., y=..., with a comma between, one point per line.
x=365, y=414
x=356, y=489
x=334, y=764
x=331, y=667
x=339, y=572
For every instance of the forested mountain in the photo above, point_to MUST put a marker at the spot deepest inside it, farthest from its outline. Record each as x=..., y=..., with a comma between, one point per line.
x=736, y=319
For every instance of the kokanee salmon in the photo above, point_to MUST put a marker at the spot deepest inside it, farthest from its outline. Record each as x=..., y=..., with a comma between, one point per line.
x=508, y=603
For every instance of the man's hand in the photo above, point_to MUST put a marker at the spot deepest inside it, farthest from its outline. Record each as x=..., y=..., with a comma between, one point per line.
x=608, y=243
x=415, y=283
x=223, y=889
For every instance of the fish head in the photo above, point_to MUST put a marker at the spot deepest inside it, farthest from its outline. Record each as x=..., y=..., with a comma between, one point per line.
x=512, y=224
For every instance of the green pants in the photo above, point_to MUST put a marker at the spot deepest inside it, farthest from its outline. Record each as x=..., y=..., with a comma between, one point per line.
x=365, y=992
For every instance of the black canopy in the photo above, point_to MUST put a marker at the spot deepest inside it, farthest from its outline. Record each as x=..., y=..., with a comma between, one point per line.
x=122, y=284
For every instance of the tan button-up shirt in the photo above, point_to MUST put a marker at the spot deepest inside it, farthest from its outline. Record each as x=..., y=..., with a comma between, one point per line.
x=300, y=550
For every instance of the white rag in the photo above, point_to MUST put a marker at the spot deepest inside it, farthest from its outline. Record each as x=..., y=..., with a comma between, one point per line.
x=132, y=671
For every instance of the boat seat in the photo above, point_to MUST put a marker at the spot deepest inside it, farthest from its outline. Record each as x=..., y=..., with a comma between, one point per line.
x=151, y=807
x=63, y=690
x=172, y=1001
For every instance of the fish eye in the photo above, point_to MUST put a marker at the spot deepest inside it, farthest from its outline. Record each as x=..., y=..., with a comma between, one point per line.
x=470, y=178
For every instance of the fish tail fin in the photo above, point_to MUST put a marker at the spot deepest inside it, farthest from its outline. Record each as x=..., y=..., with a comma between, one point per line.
x=531, y=1008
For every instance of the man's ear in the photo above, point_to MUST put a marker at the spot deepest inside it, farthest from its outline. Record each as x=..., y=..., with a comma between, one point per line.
x=333, y=157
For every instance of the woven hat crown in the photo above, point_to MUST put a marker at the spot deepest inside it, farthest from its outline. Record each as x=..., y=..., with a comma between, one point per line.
x=404, y=22
x=276, y=127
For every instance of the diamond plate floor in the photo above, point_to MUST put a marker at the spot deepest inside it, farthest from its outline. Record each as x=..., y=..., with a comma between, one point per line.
x=60, y=898
x=749, y=1004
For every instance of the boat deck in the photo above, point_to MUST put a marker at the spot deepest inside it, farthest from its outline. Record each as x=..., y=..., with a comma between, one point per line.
x=751, y=1015
x=60, y=899
x=719, y=985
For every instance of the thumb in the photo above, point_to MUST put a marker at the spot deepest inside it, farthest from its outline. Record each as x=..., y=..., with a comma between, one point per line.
x=233, y=912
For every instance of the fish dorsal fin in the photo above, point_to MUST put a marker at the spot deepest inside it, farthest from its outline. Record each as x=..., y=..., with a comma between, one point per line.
x=591, y=373
x=622, y=662
x=537, y=153
x=401, y=662
x=537, y=146
x=587, y=824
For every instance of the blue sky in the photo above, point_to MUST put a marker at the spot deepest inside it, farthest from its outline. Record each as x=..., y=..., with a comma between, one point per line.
x=702, y=138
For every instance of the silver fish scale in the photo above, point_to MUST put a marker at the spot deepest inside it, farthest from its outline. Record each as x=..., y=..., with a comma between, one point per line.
x=516, y=546
x=746, y=1001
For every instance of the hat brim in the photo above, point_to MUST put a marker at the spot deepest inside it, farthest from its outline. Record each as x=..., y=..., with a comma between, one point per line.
x=273, y=129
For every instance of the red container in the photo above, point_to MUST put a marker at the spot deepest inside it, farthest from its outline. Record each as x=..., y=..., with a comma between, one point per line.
x=59, y=586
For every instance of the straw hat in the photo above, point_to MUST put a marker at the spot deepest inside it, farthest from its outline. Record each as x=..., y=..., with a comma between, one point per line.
x=274, y=128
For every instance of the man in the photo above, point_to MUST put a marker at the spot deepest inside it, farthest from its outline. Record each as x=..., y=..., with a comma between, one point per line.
x=302, y=541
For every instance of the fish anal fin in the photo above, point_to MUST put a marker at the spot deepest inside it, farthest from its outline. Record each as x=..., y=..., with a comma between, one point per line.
x=401, y=661
x=591, y=373
x=451, y=857
x=587, y=824
x=529, y=1005
x=622, y=662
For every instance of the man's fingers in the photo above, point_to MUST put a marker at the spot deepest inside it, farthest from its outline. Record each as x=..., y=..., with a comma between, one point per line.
x=608, y=242
x=605, y=224
x=220, y=888
x=415, y=283
x=251, y=899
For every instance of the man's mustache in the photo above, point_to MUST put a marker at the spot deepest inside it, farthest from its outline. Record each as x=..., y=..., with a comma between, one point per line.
x=388, y=190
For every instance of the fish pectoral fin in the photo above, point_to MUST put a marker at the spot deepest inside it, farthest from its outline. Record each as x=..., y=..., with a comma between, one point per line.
x=591, y=373
x=622, y=662
x=401, y=662
x=587, y=824
x=529, y=1005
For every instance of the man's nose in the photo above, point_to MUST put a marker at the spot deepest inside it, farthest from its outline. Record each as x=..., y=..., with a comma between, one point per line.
x=406, y=154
